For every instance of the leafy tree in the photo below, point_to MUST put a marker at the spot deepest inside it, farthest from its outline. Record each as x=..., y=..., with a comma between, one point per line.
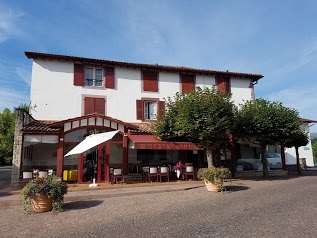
x=297, y=139
x=24, y=106
x=203, y=117
x=7, y=123
x=314, y=147
x=265, y=123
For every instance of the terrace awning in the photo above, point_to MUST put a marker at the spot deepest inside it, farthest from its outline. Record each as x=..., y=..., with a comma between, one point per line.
x=149, y=142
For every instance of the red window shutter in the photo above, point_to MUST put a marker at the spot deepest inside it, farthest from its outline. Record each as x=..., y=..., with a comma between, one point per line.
x=188, y=82
x=89, y=105
x=79, y=79
x=100, y=106
x=109, y=77
x=150, y=81
x=139, y=110
x=161, y=108
x=228, y=85
x=223, y=84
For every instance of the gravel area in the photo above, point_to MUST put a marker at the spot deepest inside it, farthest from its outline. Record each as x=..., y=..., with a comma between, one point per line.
x=270, y=208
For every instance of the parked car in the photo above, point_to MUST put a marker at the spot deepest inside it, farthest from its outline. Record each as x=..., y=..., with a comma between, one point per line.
x=274, y=160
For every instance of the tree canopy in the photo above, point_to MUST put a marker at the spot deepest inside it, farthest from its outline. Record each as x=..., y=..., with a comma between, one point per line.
x=7, y=127
x=7, y=123
x=203, y=117
x=266, y=123
x=297, y=139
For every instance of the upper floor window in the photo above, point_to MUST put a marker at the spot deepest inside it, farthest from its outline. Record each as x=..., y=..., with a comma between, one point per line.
x=187, y=82
x=223, y=84
x=150, y=81
x=93, y=76
x=94, y=105
x=150, y=110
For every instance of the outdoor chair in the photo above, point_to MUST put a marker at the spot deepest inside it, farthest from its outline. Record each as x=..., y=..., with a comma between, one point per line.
x=26, y=177
x=116, y=176
x=153, y=173
x=50, y=172
x=145, y=171
x=189, y=173
x=42, y=174
x=164, y=172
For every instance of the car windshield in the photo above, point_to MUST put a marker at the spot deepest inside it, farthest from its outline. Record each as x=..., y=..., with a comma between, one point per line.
x=273, y=155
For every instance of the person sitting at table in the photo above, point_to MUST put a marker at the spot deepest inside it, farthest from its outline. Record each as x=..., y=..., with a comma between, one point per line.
x=178, y=168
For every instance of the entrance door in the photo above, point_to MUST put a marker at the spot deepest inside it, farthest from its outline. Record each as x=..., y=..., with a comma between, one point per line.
x=90, y=166
x=97, y=163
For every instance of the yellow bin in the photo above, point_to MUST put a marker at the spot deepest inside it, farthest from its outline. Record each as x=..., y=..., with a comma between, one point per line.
x=65, y=175
x=73, y=175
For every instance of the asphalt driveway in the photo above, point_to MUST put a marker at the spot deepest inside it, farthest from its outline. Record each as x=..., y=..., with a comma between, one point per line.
x=265, y=208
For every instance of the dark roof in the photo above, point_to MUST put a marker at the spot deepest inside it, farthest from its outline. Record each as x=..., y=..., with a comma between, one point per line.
x=143, y=127
x=307, y=120
x=40, y=127
x=35, y=55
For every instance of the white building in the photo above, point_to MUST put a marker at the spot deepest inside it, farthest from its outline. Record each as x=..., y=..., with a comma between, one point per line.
x=72, y=97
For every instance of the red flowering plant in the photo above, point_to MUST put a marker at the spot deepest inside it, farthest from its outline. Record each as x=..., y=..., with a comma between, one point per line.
x=49, y=186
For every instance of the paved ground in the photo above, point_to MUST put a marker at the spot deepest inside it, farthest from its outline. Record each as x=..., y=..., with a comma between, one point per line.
x=271, y=208
x=5, y=178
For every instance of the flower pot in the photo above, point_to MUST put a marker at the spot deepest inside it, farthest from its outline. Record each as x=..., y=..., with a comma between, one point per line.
x=41, y=203
x=213, y=187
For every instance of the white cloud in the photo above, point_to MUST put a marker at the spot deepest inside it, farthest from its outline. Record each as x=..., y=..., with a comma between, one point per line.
x=302, y=99
x=24, y=74
x=9, y=23
x=300, y=57
x=11, y=98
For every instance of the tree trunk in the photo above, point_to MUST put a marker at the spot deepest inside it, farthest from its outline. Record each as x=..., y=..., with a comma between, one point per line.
x=299, y=171
x=209, y=158
x=264, y=160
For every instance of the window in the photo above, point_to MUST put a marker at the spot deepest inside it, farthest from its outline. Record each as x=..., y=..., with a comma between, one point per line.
x=94, y=105
x=93, y=76
x=187, y=82
x=150, y=81
x=150, y=110
x=223, y=84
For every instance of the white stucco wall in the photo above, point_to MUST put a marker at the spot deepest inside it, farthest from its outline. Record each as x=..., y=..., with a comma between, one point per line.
x=304, y=151
x=54, y=97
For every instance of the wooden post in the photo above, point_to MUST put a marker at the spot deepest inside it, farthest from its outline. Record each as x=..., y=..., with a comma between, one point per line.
x=125, y=159
x=80, y=167
x=60, y=153
x=99, y=157
x=107, y=170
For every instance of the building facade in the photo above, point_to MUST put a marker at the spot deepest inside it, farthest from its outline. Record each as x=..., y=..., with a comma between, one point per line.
x=72, y=97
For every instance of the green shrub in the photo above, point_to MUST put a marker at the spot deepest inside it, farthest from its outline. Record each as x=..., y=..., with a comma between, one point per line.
x=214, y=175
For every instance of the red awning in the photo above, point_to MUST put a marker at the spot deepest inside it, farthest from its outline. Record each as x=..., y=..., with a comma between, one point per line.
x=149, y=142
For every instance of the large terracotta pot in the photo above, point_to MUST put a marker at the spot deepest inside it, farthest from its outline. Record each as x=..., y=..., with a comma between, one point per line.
x=41, y=203
x=213, y=187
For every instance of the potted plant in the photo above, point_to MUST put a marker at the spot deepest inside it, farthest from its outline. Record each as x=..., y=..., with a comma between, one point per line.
x=44, y=194
x=214, y=177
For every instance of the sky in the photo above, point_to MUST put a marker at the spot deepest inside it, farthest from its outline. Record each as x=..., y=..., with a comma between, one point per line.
x=277, y=39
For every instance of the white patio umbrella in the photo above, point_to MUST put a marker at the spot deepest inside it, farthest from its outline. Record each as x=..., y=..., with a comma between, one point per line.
x=91, y=141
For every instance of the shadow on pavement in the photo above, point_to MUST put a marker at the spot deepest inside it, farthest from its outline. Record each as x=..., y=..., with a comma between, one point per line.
x=79, y=205
x=234, y=188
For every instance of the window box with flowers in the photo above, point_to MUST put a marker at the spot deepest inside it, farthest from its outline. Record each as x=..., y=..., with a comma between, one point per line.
x=214, y=177
x=44, y=194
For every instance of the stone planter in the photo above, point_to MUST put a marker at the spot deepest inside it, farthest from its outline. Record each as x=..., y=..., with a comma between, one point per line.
x=41, y=203
x=213, y=187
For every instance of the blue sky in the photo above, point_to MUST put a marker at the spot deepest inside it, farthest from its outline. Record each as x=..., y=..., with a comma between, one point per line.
x=277, y=39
